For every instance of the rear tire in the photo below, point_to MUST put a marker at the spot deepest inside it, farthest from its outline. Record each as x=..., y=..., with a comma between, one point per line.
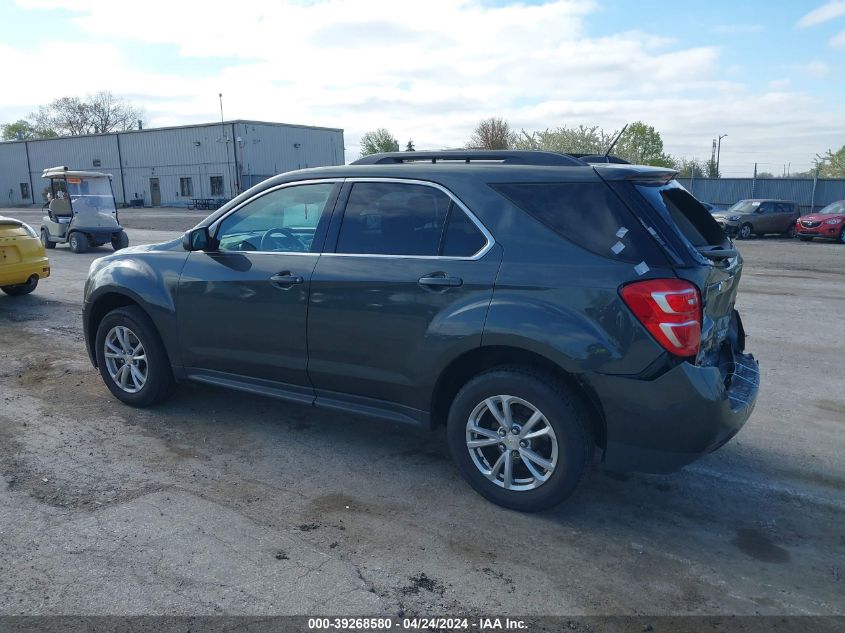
x=132, y=324
x=18, y=290
x=565, y=443
x=121, y=240
x=842, y=236
x=745, y=231
x=45, y=242
x=78, y=242
x=790, y=232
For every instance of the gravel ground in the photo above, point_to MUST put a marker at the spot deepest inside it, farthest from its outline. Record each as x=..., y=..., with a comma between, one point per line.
x=221, y=502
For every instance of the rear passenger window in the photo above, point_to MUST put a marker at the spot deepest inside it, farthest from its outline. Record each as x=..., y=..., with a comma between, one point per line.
x=588, y=214
x=462, y=237
x=405, y=219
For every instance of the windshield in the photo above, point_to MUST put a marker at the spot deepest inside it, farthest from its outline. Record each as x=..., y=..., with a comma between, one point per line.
x=90, y=194
x=836, y=207
x=745, y=206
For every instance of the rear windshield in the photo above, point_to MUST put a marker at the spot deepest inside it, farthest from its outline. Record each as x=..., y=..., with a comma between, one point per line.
x=586, y=213
x=680, y=208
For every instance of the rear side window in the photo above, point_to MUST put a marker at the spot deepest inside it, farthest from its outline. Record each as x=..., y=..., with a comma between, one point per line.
x=406, y=219
x=588, y=214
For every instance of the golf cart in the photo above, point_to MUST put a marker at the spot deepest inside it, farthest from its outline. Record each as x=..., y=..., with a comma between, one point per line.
x=80, y=211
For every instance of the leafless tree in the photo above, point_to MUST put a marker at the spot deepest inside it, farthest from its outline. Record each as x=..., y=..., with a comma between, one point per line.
x=99, y=113
x=492, y=133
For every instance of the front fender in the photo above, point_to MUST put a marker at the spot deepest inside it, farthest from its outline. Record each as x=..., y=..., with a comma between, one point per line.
x=148, y=279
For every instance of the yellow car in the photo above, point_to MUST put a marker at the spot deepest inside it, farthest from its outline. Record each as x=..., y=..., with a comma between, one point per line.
x=23, y=260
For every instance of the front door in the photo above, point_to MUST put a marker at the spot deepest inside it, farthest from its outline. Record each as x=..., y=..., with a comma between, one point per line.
x=155, y=193
x=407, y=286
x=242, y=306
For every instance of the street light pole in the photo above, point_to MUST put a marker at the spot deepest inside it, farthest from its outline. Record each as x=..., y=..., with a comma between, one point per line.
x=718, y=154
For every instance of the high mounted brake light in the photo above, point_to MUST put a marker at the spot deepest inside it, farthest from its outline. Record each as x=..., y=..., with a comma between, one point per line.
x=670, y=309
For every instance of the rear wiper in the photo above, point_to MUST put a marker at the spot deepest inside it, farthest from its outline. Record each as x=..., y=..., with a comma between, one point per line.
x=716, y=252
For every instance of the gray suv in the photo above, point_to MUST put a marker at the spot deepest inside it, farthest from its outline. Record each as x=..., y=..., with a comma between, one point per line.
x=538, y=305
x=759, y=217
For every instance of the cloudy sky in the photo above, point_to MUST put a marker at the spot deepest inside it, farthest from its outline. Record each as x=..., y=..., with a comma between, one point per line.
x=768, y=74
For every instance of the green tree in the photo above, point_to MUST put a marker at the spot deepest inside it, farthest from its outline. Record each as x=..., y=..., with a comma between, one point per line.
x=409, y=147
x=690, y=168
x=711, y=169
x=575, y=140
x=831, y=164
x=641, y=144
x=765, y=174
x=20, y=130
x=378, y=141
x=492, y=133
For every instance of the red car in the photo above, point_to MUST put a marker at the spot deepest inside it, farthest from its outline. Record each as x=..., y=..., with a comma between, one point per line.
x=828, y=223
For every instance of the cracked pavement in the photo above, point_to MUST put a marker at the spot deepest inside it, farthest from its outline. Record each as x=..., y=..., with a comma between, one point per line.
x=226, y=503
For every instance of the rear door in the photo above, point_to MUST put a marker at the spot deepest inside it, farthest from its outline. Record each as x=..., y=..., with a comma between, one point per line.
x=405, y=284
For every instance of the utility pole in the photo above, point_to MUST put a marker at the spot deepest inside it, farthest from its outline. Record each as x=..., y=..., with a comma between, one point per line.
x=718, y=154
x=754, y=180
x=226, y=147
x=713, y=159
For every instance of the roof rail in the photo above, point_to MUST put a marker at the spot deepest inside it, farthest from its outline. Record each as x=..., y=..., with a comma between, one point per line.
x=601, y=158
x=504, y=156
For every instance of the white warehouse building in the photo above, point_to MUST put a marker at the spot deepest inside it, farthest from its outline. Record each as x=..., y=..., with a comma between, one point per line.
x=171, y=166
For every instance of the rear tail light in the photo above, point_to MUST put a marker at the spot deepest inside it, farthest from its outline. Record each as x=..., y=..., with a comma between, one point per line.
x=670, y=309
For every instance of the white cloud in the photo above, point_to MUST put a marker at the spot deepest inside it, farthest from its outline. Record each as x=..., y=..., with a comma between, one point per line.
x=817, y=68
x=427, y=70
x=822, y=14
x=838, y=40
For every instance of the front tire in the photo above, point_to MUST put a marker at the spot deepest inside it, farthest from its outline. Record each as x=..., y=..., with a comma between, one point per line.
x=842, y=236
x=790, y=232
x=745, y=232
x=18, y=290
x=520, y=438
x=120, y=240
x=78, y=242
x=131, y=358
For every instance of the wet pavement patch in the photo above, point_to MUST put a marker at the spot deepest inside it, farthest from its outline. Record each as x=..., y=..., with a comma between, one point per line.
x=759, y=546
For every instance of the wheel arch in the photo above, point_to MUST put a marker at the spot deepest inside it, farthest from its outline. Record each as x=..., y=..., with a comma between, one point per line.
x=99, y=308
x=480, y=359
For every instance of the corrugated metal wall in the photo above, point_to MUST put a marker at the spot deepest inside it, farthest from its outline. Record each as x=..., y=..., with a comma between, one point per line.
x=13, y=172
x=242, y=153
x=723, y=192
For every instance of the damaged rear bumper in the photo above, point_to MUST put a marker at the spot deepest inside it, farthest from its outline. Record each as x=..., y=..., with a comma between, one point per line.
x=661, y=425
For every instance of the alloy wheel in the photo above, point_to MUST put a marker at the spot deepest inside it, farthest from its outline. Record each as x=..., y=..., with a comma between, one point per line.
x=511, y=443
x=126, y=359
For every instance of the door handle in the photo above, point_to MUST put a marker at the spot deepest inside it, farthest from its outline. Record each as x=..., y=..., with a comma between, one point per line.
x=441, y=281
x=285, y=280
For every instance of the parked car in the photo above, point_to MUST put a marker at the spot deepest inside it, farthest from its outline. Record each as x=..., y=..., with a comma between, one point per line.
x=537, y=305
x=22, y=258
x=829, y=223
x=759, y=217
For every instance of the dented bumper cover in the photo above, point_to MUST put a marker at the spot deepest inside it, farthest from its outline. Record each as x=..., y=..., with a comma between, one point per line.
x=661, y=425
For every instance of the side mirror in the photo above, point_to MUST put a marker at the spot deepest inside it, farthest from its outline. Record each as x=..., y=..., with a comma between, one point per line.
x=197, y=239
